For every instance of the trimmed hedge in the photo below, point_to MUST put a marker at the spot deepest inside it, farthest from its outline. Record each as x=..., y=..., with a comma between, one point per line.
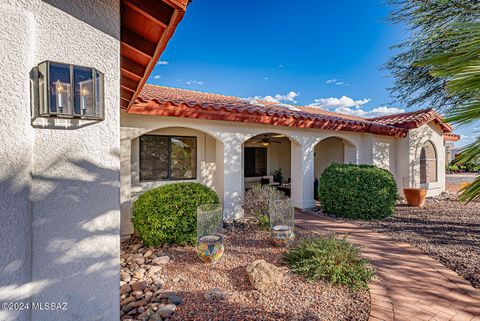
x=168, y=214
x=357, y=191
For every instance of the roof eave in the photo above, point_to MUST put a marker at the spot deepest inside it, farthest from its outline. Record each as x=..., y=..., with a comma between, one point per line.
x=138, y=53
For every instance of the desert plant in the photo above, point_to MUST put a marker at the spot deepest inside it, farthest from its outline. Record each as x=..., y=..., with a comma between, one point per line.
x=256, y=202
x=167, y=214
x=330, y=259
x=357, y=191
x=277, y=175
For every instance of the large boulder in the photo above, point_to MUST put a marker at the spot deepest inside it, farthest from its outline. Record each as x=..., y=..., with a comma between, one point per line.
x=264, y=275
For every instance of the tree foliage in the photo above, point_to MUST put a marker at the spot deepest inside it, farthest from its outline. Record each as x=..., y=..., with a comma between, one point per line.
x=440, y=64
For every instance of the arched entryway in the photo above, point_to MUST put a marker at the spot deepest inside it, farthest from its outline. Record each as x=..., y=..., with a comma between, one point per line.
x=428, y=163
x=332, y=150
x=267, y=160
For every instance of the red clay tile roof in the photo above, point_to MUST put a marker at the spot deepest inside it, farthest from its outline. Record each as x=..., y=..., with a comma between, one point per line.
x=413, y=119
x=449, y=137
x=167, y=101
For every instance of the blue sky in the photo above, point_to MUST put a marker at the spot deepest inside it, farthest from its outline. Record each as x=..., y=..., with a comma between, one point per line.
x=322, y=53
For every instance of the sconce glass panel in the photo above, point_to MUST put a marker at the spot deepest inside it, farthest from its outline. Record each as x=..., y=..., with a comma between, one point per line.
x=62, y=90
x=99, y=95
x=84, y=94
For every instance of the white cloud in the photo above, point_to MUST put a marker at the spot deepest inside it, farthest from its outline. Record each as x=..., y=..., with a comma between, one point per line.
x=337, y=82
x=348, y=106
x=278, y=98
x=162, y=63
x=376, y=112
x=156, y=77
x=342, y=102
x=194, y=82
x=266, y=78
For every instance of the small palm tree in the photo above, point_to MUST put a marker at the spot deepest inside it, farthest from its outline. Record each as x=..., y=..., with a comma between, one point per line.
x=460, y=66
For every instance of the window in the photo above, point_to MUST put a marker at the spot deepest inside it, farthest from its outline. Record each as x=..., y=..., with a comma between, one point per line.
x=167, y=157
x=255, y=161
x=428, y=163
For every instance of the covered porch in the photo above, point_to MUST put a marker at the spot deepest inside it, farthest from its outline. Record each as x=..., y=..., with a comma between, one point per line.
x=159, y=150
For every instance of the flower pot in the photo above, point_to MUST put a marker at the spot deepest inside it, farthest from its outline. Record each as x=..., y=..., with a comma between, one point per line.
x=282, y=235
x=210, y=248
x=415, y=196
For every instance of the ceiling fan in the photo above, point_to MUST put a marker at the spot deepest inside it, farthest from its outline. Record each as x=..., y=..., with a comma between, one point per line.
x=266, y=141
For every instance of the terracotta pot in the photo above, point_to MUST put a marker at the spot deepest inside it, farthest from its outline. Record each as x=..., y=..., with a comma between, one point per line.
x=415, y=196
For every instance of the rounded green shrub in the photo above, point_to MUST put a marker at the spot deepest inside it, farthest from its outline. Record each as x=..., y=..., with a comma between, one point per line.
x=168, y=214
x=357, y=191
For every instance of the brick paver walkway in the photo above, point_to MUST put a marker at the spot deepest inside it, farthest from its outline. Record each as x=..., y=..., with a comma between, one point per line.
x=411, y=285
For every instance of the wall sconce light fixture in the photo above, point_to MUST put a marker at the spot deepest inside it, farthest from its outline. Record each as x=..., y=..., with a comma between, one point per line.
x=67, y=91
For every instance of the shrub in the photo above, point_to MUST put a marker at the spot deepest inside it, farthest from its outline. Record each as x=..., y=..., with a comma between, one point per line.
x=357, y=191
x=330, y=259
x=256, y=202
x=167, y=214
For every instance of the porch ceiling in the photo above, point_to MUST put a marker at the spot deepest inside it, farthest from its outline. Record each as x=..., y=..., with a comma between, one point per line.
x=146, y=28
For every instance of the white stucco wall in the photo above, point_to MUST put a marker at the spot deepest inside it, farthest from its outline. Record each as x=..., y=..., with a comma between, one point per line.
x=229, y=155
x=408, y=158
x=16, y=37
x=361, y=148
x=333, y=149
x=63, y=193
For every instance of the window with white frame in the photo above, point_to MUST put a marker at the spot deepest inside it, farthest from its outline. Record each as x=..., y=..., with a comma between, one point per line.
x=168, y=157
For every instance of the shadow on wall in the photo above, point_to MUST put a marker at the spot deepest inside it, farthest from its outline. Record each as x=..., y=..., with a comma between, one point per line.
x=91, y=13
x=74, y=241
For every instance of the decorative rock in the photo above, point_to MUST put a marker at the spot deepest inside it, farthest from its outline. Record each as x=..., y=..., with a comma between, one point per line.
x=125, y=289
x=165, y=295
x=166, y=311
x=139, y=286
x=125, y=276
x=159, y=283
x=138, y=303
x=148, y=296
x=263, y=275
x=139, y=260
x=161, y=260
x=148, y=253
x=135, y=247
x=175, y=299
x=127, y=300
x=214, y=295
x=127, y=308
x=154, y=269
x=139, y=274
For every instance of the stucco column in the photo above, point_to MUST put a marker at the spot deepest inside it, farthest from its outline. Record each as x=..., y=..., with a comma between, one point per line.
x=126, y=226
x=303, y=174
x=229, y=165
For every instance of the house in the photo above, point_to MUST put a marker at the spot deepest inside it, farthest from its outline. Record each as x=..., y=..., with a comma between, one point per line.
x=228, y=143
x=67, y=180
x=60, y=176
x=450, y=150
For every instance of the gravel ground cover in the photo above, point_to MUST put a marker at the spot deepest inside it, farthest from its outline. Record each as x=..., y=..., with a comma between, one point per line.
x=445, y=229
x=190, y=279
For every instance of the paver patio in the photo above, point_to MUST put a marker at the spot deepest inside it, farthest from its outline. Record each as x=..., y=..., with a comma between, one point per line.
x=411, y=285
